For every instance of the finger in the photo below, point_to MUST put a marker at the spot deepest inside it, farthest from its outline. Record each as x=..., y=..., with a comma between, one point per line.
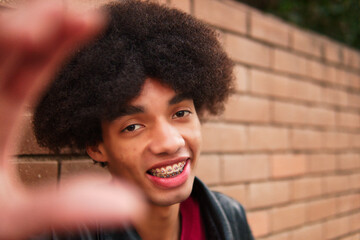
x=77, y=30
x=35, y=67
x=82, y=201
x=41, y=49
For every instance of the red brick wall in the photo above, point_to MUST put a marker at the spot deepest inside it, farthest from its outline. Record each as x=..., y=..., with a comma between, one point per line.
x=288, y=144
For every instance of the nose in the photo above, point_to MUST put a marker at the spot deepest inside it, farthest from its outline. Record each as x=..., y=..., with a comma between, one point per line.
x=166, y=139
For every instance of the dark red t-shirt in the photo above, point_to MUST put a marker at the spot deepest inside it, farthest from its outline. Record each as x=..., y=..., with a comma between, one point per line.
x=191, y=224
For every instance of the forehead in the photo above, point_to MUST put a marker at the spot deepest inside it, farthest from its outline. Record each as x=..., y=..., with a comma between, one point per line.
x=154, y=95
x=151, y=91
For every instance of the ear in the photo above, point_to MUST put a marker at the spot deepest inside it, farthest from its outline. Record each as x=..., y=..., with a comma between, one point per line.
x=97, y=152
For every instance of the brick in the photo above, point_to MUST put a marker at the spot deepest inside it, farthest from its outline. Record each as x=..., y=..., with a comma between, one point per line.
x=241, y=79
x=26, y=138
x=353, y=100
x=334, y=97
x=86, y=5
x=354, y=222
x=342, y=77
x=351, y=58
x=336, y=184
x=241, y=168
x=268, y=193
x=332, y=51
x=291, y=113
x=183, y=5
x=348, y=203
x=354, y=80
x=353, y=140
x=247, y=51
x=34, y=173
x=223, y=138
x=279, y=86
x=320, y=209
x=348, y=120
x=288, y=165
x=221, y=14
x=347, y=56
x=74, y=167
x=355, y=181
x=259, y=222
x=269, y=84
x=247, y=109
x=268, y=138
x=336, y=227
x=159, y=1
x=289, y=62
x=306, y=139
x=356, y=201
x=237, y=192
x=269, y=29
x=322, y=117
x=330, y=74
x=208, y=169
x=355, y=236
x=315, y=70
x=307, y=43
x=322, y=163
x=313, y=232
x=336, y=140
x=348, y=161
x=306, y=188
x=279, y=236
x=286, y=217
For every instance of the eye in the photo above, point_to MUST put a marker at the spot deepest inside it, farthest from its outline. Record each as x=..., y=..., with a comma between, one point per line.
x=132, y=128
x=181, y=114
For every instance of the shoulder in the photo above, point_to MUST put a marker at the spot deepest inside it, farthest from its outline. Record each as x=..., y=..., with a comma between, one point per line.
x=235, y=215
x=232, y=208
x=219, y=201
x=226, y=212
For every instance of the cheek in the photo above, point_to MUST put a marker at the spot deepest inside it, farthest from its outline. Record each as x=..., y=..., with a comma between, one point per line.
x=198, y=140
x=194, y=137
x=124, y=159
x=123, y=154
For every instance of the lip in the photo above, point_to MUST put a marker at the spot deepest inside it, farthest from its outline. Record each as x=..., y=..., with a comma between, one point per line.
x=172, y=182
x=169, y=162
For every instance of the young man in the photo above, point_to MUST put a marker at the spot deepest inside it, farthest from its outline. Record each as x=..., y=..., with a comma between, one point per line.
x=132, y=99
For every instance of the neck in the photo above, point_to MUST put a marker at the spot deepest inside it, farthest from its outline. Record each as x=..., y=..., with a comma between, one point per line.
x=161, y=223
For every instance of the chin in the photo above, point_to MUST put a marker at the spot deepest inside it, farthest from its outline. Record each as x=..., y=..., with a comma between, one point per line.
x=173, y=196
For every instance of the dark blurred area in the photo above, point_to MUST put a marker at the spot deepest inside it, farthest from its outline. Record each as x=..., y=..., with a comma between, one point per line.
x=338, y=19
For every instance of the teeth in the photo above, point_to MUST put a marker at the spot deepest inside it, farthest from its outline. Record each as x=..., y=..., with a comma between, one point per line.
x=168, y=171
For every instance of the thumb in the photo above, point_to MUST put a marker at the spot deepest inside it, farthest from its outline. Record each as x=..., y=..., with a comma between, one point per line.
x=84, y=200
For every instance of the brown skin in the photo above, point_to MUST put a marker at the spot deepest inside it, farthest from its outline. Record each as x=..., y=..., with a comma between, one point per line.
x=134, y=143
x=34, y=40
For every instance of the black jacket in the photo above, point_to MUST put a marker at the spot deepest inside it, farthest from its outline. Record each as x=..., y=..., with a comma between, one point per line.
x=223, y=219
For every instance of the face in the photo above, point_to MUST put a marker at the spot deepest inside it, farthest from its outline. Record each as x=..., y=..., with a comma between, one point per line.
x=155, y=144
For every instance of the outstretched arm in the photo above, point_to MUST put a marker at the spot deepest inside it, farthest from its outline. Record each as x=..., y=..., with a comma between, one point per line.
x=34, y=40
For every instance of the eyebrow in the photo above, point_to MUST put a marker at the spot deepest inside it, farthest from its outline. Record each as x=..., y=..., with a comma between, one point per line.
x=178, y=98
x=130, y=109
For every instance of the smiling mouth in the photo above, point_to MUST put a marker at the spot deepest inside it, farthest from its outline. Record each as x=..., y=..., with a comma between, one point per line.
x=168, y=171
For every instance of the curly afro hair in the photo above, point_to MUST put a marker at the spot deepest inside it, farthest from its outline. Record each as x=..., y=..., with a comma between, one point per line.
x=141, y=40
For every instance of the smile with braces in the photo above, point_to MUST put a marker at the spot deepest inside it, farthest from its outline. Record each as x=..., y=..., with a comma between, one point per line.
x=168, y=171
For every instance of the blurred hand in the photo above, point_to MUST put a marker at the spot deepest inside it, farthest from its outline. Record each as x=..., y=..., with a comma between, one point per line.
x=34, y=41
